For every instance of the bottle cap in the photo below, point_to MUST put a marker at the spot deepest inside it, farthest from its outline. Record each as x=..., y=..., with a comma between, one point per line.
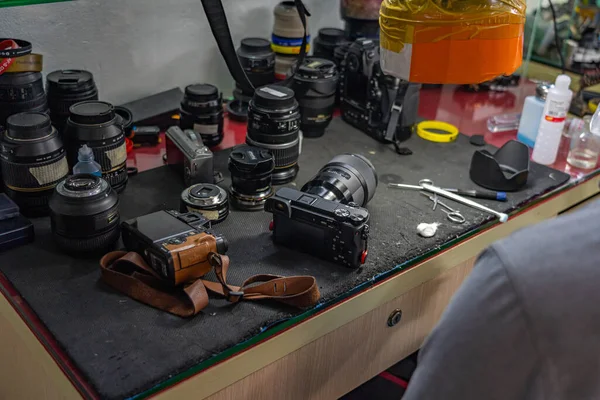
x=541, y=90
x=562, y=82
x=85, y=153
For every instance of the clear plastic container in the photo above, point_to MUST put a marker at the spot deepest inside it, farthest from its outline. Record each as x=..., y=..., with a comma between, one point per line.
x=533, y=108
x=585, y=147
x=86, y=164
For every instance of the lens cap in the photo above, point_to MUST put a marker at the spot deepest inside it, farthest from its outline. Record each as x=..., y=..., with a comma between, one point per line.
x=274, y=97
x=255, y=45
x=92, y=112
x=202, y=92
x=331, y=35
x=70, y=80
x=29, y=125
x=317, y=68
x=244, y=159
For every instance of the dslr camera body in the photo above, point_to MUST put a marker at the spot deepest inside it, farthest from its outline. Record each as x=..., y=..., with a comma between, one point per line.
x=327, y=229
x=176, y=245
x=380, y=105
x=186, y=149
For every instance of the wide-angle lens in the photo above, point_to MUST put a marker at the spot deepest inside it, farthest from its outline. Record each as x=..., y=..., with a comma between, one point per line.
x=202, y=111
x=274, y=125
x=315, y=85
x=96, y=124
x=84, y=214
x=251, y=169
x=346, y=178
x=66, y=88
x=33, y=161
x=207, y=199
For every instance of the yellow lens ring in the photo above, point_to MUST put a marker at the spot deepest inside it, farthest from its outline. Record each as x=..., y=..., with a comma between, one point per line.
x=424, y=130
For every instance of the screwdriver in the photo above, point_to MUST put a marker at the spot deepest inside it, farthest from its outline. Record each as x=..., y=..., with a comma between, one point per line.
x=480, y=194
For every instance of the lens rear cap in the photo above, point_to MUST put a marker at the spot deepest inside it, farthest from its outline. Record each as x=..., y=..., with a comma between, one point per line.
x=256, y=45
x=29, y=125
x=273, y=96
x=92, y=112
x=202, y=92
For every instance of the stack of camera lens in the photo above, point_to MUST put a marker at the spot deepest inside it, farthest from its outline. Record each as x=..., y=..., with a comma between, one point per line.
x=96, y=124
x=33, y=161
x=84, y=213
x=286, y=40
x=315, y=85
x=21, y=83
x=274, y=125
x=324, y=45
x=251, y=172
x=202, y=111
x=361, y=18
x=66, y=88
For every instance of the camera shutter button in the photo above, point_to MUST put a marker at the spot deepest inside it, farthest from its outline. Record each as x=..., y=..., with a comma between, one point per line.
x=341, y=214
x=357, y=219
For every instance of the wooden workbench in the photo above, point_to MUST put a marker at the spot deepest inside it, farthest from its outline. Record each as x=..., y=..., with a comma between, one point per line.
x=323, y=357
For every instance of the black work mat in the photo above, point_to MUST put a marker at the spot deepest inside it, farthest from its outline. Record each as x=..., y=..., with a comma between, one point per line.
x=124, y=348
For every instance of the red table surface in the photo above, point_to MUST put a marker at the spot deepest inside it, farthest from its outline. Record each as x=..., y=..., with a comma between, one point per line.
x=467, y=110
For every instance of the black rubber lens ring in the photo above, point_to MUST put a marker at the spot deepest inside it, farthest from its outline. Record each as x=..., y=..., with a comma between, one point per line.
x=23, y=50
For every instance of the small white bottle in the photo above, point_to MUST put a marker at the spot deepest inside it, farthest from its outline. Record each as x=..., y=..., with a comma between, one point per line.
x=553, y=121
x=86, y=164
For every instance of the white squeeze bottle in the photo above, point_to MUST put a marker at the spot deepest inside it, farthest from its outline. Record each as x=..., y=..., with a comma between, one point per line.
x=553, y=121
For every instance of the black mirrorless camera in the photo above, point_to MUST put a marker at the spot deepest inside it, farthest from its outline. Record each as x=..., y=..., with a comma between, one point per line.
x=380, y=105
x=176, y=245
x=326, y=217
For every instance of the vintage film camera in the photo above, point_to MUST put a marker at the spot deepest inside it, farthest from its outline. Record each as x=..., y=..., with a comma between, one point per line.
x=380, y=105
x=176, y=245
x=325, y=218
x=186, y=150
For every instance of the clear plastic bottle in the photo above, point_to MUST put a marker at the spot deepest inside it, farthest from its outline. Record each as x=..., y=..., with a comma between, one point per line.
x=553, y=121
x=585, y=147
x=86, y=164
x=533, y=109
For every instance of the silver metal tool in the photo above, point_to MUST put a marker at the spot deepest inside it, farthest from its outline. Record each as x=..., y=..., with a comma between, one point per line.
x=453, y=215
x=427, y=185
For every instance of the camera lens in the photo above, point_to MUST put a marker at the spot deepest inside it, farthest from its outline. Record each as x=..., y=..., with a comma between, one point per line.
x=324, y=45
x=33, y=161
x=258, y=61
x=346, y=178
x=315, y=85
x=274, y=125
x=96, y=124
x=21, y=92
x=202, y=111
x=84, y=213
x=251, y=170
x=207, y=199
x=66, y=88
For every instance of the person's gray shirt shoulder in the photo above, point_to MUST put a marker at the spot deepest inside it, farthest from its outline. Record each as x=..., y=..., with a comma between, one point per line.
x=526, y=322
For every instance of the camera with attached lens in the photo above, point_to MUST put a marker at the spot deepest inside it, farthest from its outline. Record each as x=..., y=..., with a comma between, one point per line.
x=378, y=104
x=185, y=149
x=326, y=218
x=176, y=245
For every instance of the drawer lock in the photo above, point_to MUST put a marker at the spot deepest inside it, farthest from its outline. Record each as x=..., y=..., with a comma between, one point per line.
x=394, y=317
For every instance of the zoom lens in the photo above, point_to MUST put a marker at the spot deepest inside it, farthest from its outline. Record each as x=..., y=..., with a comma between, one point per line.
x=202, y=111
x=258, y=61
x=21, y=92
x=315, y=85
x=325, y=43
x=207, y=199
x=66, y=88
x=274, y=125
x=346, y=178
x=251, y=169
x=96, y=124
x=33, y=161
x=84, y=214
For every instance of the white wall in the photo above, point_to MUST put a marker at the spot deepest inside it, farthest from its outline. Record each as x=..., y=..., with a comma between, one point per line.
x=136, y=48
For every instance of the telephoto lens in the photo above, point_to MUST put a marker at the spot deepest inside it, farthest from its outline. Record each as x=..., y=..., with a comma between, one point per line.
x=95, y=124
x=33, y=161
x=251, y=169
x=21, y=92
x=84, y=214
x=66, y=88
x=202, y=111
x=315, y=85
x=324, y=45
x=207, y=199
x=347, y=178
x=274, y=125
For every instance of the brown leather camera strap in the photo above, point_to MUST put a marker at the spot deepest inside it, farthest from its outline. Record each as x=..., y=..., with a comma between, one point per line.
x=129, y=273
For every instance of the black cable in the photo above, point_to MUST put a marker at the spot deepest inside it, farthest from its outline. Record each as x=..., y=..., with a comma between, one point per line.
x=556, y=38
